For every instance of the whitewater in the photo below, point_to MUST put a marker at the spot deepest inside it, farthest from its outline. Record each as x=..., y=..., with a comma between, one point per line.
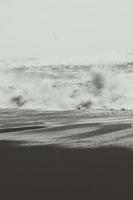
x=93, y=84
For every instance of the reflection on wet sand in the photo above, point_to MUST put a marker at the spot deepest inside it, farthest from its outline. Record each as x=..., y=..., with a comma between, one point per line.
x=96, y=128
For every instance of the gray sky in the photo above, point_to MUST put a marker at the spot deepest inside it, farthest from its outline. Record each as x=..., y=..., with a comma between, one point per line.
x=56, y=28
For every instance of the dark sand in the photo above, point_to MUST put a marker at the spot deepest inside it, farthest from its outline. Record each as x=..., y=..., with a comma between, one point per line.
x=53, y=172
x=50, y=172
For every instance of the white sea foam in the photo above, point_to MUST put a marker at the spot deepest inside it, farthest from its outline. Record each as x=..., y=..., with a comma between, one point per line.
x=83, y=85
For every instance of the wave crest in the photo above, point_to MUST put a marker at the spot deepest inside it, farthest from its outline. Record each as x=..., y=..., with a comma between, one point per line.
x=67, y=87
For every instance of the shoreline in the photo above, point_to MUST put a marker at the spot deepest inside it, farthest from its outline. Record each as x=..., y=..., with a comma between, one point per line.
x=67, y=129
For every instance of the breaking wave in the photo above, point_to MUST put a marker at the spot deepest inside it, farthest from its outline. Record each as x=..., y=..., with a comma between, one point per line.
x=66, y=87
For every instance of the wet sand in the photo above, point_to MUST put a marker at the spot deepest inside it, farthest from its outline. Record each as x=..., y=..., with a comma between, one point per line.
x=59, y=170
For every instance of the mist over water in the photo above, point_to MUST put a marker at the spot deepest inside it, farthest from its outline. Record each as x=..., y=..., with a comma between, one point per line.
x=66, y=86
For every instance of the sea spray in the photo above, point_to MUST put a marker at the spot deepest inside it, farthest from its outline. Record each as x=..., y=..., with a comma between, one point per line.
x=67, y=87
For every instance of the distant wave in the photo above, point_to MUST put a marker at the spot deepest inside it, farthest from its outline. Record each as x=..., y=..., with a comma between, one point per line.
x=66, y=87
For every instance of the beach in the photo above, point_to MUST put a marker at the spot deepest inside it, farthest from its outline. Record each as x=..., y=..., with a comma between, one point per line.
x=66, y=100
x=45, y=155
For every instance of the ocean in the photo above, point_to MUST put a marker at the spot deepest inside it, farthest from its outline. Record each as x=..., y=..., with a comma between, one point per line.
x=93, y=84
x=69, y=104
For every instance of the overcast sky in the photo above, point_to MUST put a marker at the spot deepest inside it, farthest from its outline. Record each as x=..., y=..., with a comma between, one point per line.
x=50, y=28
